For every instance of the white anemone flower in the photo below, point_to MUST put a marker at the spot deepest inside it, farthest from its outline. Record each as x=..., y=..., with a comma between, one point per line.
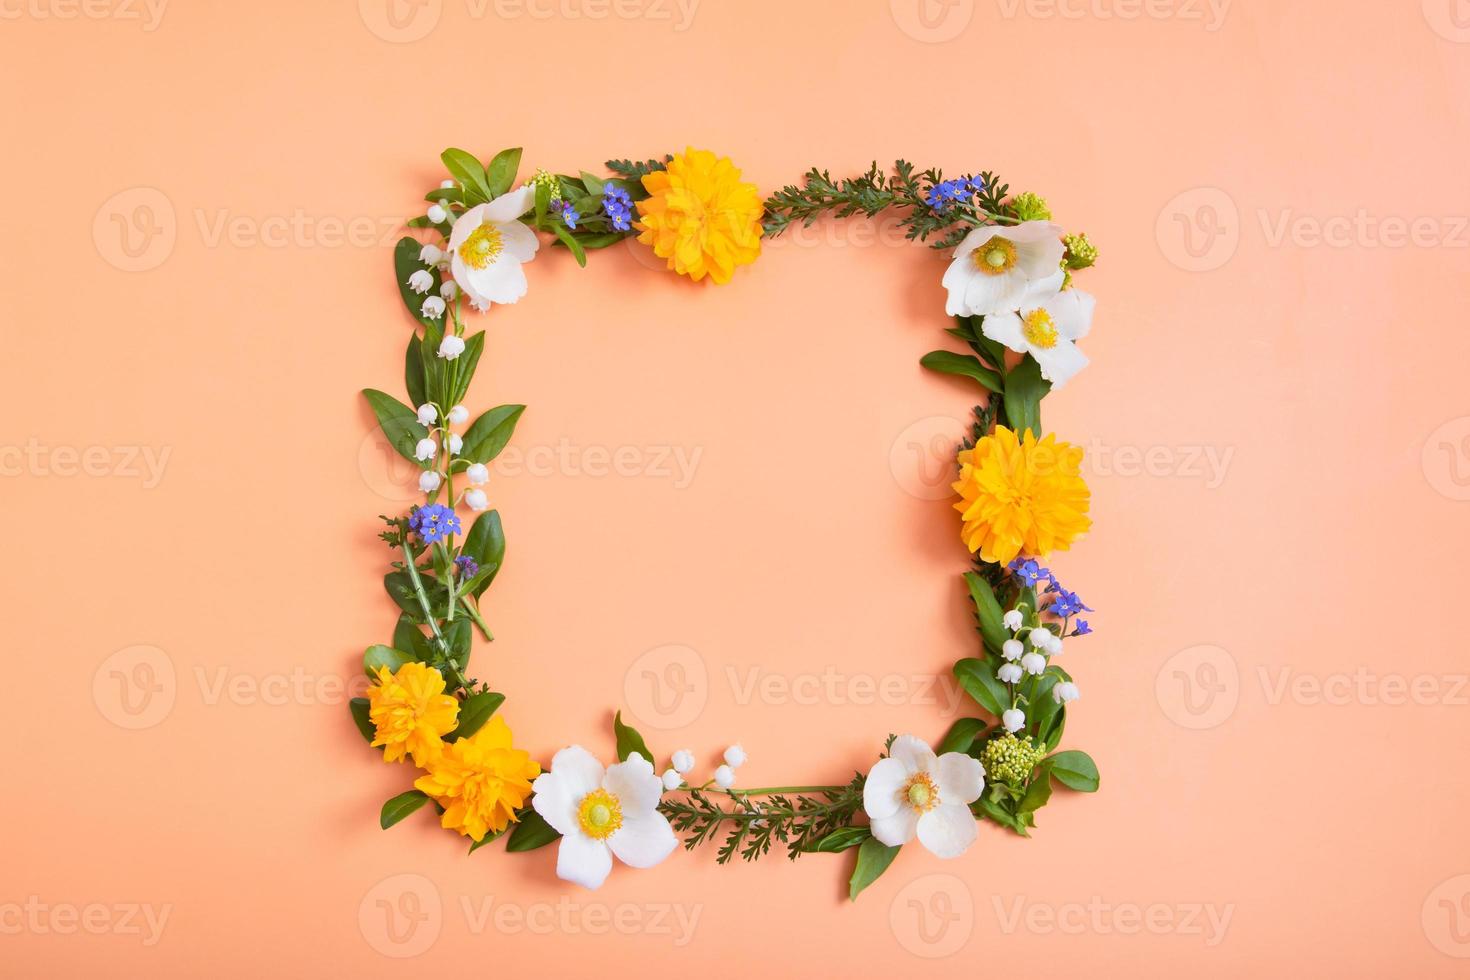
x=998, y=268
x=488, y=246
x=915, y=793
x=601, y=813
x=1046, y=328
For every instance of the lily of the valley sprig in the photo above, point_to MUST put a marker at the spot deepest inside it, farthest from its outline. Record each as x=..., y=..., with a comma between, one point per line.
x=1021, y=499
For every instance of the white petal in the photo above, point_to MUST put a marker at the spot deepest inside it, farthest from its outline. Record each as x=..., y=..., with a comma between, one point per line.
x=947, y=830
x=975, y=239
x=898, y=828
x=1071, y=311
x=913, y=753
x=880, y=791
x=957, y=280
x=1059, y=363
x=465, y=226
x=519, y=241
x=960, y=778
x=988, y=294
x=461, y=273
x=643, y=840
x=574, y=773
x=583, y=861
x=503, y=281
x=1005, y=328
x=512, y=204
x=1039, y=258
x=1040, y=290
x=634, y=784
x=1035, y=231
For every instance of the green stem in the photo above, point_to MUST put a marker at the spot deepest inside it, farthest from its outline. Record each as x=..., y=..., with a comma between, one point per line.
x=423, y=597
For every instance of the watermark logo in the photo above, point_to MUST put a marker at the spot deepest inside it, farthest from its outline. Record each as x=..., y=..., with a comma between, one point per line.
x=135, y=229
x=932, y=21
x=401, y=916
x=400, y=21
x=1199, y=229
x=922, y=457
x=1446, y=459
x=667, y=687
x=1446, y=917
x=1450, y=19
x=142, y=920
x=1209, y=13
x=1198, y=687
x=135, y=688
x=933, y=917
x=147, y=13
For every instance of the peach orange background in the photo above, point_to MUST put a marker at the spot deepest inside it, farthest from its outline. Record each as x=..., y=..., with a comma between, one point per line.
x=200, y=199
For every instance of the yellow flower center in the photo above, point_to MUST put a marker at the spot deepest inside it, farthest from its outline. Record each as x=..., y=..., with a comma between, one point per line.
x=921, y=792
x=600, y=814
x=995, y=257
x=1039, y=328
x=482, y=247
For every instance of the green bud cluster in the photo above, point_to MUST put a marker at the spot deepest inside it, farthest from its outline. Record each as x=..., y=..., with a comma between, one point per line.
x=1030, y=207
x=1080, y=252
x=545, y=178
x=1010, y=760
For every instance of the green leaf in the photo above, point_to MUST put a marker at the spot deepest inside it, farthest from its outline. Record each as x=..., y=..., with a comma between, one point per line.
x=414, y=379
x=379, y=655
x=489, y=433
x=464, y=168
x=399, y=587
x=464, y=368
x=989, y=612
x=1043, y=708
x=501, y=172
x=360, y=708
x=1024, y=390
x=400, y=423
x=979, y=681
x=841, y=839
x=873, y=859
x=409, y=638
x=441, y=195
x=542, y=202
x=565, y=237
x=1037, y=793
x=400, y=806
x=964, y=365
x=406, y=263
x=961, y=736
x=992, y=810
x=629, y=741
x=493, y=835
x=593, y=183
x=532, y=832
x=1053, y=735
x=457, y=635
x=601, y=239
x=486, y=545
x=1075, y=770
x=474, y=712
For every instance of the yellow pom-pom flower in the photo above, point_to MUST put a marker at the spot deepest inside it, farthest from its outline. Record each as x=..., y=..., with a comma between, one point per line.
x=480, y=781
x=410, y=711
x=1021, y=496
x=700, y=216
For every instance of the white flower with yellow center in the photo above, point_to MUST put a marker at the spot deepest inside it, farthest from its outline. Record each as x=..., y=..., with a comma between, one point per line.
x=602, y=812
x=489, y=245
x=913, y=792
x=997, y=268
x=1046, y=329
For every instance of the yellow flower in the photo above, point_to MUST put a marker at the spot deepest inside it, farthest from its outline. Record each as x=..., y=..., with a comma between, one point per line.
x=410, y=711
x=700, y=217
x=480, y=781
x=1021, y=496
